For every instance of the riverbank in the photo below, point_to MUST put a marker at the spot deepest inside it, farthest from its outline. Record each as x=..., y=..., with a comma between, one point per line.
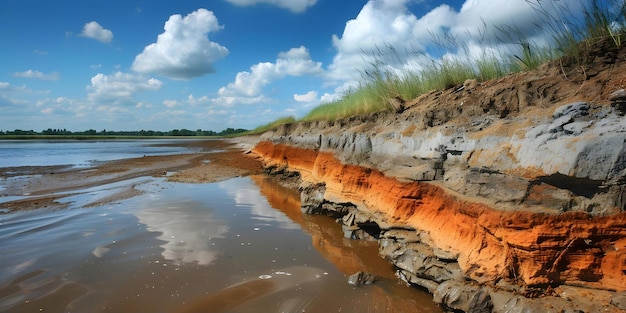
x=35, y=187
x=499, y=196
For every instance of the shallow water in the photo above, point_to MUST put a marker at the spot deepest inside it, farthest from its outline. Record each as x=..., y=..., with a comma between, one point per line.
x=240, y=245
x=81, y=153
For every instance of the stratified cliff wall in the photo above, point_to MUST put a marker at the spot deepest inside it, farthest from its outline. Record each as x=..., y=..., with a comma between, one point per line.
x=502, y=196
x=489, y=244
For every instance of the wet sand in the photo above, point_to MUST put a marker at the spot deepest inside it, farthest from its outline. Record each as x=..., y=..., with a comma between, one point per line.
x=40, y=186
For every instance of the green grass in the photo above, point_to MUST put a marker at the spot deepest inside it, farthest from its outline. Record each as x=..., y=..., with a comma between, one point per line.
x=271, y=125
x=490, y=66
x=361, y=101
x=571, y=39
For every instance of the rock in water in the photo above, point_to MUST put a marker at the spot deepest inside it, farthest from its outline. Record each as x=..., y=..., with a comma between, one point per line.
x=361, y=278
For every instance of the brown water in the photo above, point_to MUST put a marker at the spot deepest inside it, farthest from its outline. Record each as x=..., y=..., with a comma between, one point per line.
x=241, y=245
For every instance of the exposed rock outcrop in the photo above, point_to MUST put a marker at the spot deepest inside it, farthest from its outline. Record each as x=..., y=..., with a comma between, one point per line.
x=502, y=196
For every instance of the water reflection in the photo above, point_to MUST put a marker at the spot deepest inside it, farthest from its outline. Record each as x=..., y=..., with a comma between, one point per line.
x=273, y=290
x=186, y=228
x=247, y=194
x=233, y=246
x=326, y=235
x=349, y=256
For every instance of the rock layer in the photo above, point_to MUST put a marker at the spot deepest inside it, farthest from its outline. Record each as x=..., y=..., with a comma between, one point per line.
x=474, y=241
x=539, y=249
x=504, y=196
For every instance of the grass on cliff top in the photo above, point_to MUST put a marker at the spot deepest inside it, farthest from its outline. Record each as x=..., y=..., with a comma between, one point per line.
x=571, y=38
x=359, y=101
x=263, y=128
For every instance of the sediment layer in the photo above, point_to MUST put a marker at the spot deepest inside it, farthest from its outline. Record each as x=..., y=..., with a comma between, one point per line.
x=491, y=247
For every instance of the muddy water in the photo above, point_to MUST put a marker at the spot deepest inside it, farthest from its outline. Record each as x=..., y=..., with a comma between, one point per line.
x=236, y=246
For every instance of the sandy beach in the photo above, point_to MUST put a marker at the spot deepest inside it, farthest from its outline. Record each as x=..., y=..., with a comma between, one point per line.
x=40, y=186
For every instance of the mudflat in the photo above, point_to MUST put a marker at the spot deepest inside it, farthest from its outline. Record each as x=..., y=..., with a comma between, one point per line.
x=32, y=187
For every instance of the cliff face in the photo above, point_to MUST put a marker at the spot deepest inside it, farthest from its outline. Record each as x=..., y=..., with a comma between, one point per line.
x=516, y=185
x=489, y=244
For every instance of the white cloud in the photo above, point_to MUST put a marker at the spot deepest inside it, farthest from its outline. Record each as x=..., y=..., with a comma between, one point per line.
x=381, y=24
x=197, y=101
x=108, y=109
x=5, y=86
x=307, y=97
x=171, y=103
x=249, y=84
x=95, y=31
x=230, y=101
x=327, y=97
x=37, y=74
x=183, y=50
x=63, y=107
x=8, y=101
x=388, y=24
x=143, y=105
x=521, y=19
x=119, y=88
x=296, y=6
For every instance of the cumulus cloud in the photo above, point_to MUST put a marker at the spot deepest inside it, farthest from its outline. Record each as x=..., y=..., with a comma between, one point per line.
x=307, y=97
x=183, y=50
x=328, y=97
x=380, y=24
x=119, y=88
x=95, y=31
x=480, y=25
x=296, y=6
x=249, y=84
x=171, y=103
x=5, y=86
x=37, y=74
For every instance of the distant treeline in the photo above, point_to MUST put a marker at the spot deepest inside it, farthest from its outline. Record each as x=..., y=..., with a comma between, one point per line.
x=138, y=133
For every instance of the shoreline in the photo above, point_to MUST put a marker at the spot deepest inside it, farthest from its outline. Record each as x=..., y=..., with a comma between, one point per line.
x=36, y=187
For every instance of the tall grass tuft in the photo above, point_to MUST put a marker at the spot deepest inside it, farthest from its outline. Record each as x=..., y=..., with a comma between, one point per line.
x=446, y=74
x=571, y=36
x=490, y=66
x=272, y=125
x=357, y=101
x=531, y=57
x=600, y=20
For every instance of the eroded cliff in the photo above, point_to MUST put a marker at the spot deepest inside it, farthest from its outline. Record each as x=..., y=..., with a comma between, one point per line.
x=504, y=195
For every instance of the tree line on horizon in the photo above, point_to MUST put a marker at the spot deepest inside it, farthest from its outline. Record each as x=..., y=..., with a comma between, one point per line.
x=138, y=133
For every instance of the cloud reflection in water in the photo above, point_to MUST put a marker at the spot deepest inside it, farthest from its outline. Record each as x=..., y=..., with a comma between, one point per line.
x=186, y=227
x=247, y=194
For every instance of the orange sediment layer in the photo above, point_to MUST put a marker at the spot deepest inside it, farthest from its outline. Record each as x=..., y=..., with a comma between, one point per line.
x=532, y=248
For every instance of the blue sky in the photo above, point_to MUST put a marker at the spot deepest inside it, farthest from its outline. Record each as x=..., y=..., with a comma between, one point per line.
x=214, y=64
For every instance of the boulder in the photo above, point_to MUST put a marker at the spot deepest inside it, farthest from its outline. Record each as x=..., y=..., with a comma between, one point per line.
x=574, y=109
x=618, y=101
